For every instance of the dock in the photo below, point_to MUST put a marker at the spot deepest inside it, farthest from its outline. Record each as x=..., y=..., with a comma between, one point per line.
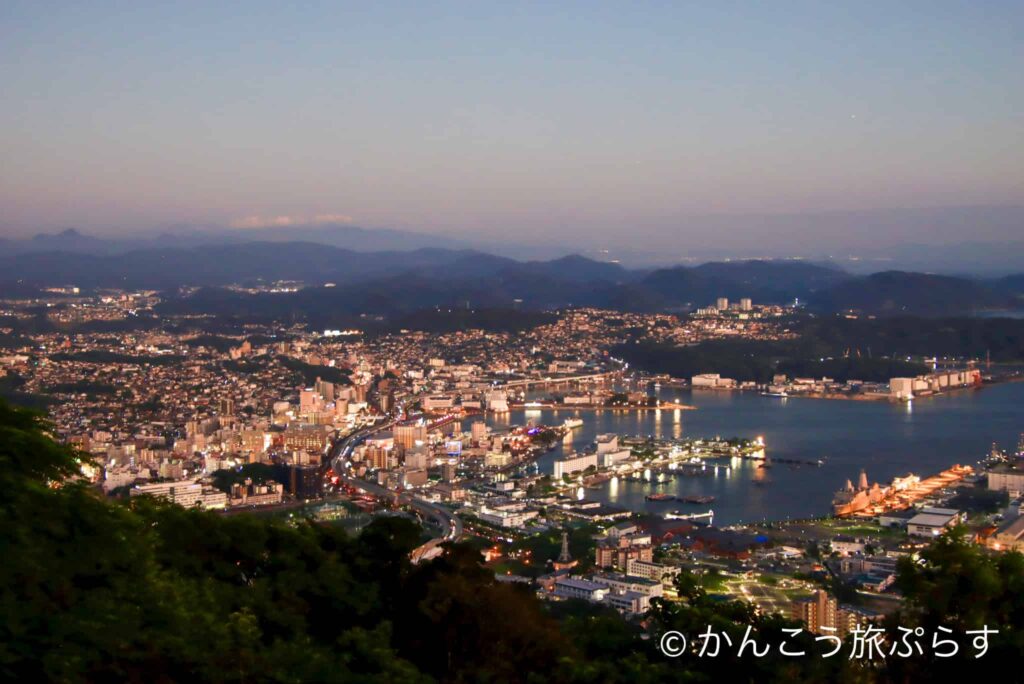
x=690, y=516
x=902, y=499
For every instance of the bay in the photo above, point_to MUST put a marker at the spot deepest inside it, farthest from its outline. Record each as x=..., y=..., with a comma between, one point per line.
x=885, y=439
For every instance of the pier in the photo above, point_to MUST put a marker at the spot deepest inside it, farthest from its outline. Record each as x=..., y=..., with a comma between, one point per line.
x=902, y=498
x=710, y=515
x=794, y=461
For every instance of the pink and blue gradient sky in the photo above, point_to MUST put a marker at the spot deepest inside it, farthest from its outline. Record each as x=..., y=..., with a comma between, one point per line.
x=582, y=119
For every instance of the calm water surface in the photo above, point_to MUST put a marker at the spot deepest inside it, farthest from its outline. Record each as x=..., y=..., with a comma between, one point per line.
x=886, y=439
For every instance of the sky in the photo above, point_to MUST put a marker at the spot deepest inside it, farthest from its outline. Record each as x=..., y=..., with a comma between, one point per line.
x=637, y=124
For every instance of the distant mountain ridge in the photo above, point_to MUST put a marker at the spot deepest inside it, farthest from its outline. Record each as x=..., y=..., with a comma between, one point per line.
x=899, y=293
x=215, y=265
x=766, y=281
x=334, y=235
x=397, y=282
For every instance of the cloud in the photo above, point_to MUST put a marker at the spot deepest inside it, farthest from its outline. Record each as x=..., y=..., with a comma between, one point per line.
x=286, y=221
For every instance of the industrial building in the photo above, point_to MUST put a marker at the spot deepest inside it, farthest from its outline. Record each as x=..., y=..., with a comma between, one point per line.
x=904, y=389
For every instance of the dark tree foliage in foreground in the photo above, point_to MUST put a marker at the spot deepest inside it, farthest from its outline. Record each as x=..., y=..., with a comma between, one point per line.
x=144, y=591
x=955, y=586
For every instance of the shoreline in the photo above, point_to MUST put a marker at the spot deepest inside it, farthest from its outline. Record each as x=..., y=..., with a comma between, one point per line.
x=666, y=406
x=839, y=396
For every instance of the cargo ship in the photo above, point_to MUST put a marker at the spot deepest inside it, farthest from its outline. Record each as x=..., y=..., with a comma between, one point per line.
x=659, y=497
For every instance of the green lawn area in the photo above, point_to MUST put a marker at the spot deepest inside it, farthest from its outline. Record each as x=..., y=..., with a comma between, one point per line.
x=713, y=581
x=871, y=530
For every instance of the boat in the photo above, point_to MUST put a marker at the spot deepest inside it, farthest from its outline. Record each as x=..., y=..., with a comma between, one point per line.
x=693, y=472
x=659, y=497
x=783, y=394
x=697, y=499
x=572, y=423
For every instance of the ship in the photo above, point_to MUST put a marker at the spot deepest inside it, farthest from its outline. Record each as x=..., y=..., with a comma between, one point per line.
x=691, y=471
x=781, y=393
x=697, y=499
x=572, y=423
x=849, y=500
x=659, y=497
x=595, y=481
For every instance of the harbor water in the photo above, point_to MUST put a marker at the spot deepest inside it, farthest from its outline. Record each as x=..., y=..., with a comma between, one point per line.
x=886, y=439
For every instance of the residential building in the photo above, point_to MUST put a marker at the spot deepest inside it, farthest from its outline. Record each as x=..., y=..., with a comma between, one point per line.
x=304, y=481
x=665, y=574
x=817, y=611
x=572, y=587
x=574, y=463
x=184, y=493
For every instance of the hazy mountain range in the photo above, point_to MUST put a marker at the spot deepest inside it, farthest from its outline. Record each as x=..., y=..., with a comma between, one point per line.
x=344, y=283
x=350, y=237
x=974, y=241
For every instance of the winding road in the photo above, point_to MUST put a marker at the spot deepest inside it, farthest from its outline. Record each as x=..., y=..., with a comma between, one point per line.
x=450, y=524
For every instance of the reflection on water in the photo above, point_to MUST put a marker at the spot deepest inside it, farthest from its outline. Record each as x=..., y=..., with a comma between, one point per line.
x=887, y=439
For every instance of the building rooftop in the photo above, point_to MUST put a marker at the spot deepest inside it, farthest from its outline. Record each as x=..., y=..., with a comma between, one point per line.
x=1007, y=468
x=940, y=511
x=1013, y=528
x=582, y=584
x=629, y=579
x=930, y=520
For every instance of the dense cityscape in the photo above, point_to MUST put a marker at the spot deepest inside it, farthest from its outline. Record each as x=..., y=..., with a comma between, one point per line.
x=490, y=343
x=344, y=427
